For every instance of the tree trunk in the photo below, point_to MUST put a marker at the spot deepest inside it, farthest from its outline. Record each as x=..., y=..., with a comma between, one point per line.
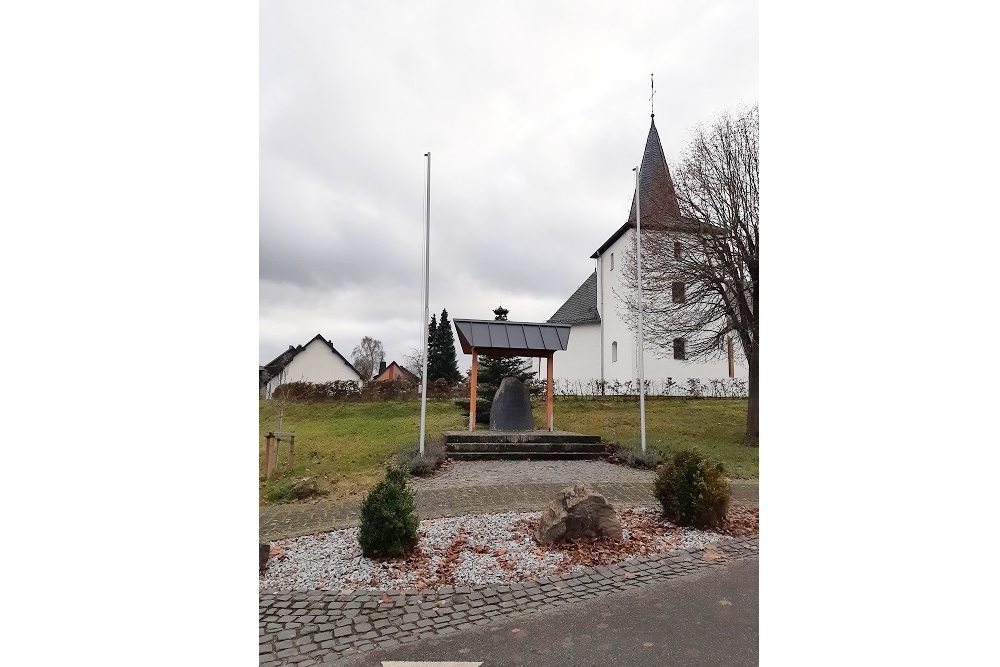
x=751, y=439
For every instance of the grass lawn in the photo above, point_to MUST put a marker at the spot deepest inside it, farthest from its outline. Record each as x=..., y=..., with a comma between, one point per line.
x=346, y=445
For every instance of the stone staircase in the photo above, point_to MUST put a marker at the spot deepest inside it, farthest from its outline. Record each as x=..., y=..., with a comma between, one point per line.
x=523, y=445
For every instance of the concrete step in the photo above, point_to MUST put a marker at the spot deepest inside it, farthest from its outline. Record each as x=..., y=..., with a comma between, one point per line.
x=541, y=447
x=524, y=456
x=519, y=436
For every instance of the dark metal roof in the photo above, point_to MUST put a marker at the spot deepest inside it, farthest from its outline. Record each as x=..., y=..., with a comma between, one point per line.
x=520, y=339
x=581, y=308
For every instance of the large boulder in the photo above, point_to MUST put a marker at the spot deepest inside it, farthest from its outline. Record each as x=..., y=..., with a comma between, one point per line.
x=578, y=512
x=511, y=409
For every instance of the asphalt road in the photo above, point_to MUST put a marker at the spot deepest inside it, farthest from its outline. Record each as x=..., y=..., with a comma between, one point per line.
x=709, y=618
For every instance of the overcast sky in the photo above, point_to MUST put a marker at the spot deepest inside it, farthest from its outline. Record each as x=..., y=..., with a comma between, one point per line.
x=534, y=114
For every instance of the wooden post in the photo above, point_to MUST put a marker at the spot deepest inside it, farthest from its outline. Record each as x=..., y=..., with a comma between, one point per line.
x=732, y=365
x=291, y=452
x=268, y=455
x=473, y=380
x=548, y=389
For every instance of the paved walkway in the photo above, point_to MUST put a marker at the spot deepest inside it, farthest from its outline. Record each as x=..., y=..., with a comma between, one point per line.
x=322, y=627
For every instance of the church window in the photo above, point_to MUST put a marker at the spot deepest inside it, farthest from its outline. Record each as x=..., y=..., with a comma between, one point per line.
x=677, y=249
x=614, y=351
x=612, y=261
x=678, y=292
x=679, y=349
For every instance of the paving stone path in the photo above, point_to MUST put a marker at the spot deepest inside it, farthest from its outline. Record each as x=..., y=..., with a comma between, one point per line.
x=322, y=627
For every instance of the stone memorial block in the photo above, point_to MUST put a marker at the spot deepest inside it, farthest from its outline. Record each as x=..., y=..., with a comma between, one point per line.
x=511, y=409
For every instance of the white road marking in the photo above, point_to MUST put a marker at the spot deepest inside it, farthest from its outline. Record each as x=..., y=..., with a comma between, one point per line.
x=411, y=663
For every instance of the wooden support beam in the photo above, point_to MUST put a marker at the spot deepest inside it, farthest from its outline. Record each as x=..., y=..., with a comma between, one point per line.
x=473, y=380
x=548, y=389
x=269, y=455
x=291, y=452
x=732, y=364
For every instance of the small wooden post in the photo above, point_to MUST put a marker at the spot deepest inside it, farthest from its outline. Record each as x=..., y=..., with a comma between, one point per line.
x=732, y=364
x=291, y=452
x=473, y=380
x=548, y=389
x=269, y=456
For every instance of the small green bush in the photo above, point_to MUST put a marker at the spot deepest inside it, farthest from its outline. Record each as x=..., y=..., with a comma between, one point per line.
x=421, y=465
x=692, y=490
x=651, y=459
x=388, y=518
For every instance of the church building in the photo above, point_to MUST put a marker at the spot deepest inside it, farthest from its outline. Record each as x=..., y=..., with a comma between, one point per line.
x=603, y=351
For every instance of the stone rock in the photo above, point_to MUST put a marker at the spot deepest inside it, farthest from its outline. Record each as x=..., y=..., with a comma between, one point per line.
x=578, y=512
x=265, y=553
x=511, y=409
x=304, y=488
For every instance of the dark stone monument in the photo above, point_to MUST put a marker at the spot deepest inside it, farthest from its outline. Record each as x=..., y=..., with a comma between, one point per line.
x=511, y=409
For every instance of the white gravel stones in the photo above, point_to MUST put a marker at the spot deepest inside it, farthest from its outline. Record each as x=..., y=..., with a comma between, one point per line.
x=485, y=549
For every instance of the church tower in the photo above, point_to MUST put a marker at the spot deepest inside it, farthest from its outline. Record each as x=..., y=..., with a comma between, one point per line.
x=604, y=351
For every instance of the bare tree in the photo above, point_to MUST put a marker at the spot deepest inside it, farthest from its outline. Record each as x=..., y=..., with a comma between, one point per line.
x=367, y=357
x=414, y=362
x=700, y=271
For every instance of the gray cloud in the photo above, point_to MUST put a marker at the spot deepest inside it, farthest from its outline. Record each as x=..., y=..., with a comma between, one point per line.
x=535, y=114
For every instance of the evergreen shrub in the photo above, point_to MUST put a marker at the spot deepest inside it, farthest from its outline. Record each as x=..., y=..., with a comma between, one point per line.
x=388, y=518
x=692, y=490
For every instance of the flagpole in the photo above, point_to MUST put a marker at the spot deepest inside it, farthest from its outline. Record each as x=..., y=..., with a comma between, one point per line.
x=638, y=280
x=427, y=289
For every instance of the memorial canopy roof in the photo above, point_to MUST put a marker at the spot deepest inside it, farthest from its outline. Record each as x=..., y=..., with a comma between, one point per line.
x=514, y=339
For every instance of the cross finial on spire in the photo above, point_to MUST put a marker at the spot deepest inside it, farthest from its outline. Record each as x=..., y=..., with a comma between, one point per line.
x=652, y=92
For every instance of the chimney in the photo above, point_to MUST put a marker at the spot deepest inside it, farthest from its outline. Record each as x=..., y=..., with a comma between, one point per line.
x=381, y=367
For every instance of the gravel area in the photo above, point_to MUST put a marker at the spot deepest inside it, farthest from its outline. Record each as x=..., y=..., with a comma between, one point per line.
x=489, y=549
x=498, y=473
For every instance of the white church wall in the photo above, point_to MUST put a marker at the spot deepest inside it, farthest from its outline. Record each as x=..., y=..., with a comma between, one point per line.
x=580, y=363
x=622, y=368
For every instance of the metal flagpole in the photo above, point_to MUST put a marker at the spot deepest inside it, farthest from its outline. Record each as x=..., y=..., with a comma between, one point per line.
x=638, y=279
x=427, y=290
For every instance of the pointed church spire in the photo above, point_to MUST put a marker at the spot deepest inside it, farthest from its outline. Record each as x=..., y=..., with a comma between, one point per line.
x=656, y=188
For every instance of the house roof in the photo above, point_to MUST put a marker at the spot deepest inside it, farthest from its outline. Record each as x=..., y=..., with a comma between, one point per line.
x=279, y=363
x=581, y=308
x=657, y=197
x=520, y=339
x=402, y=371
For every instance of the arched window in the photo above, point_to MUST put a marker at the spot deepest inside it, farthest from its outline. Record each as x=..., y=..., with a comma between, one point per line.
x=614, y=351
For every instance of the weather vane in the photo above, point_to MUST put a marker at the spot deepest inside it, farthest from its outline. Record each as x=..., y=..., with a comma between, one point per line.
x=652, y=92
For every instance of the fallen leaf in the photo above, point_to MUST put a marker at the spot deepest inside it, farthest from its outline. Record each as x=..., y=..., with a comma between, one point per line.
x=647, y=644
x=725, y=603
x=516, y=630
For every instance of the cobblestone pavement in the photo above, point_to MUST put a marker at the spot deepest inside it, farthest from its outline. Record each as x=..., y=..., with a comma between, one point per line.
x=479, y=487
x=322, y=627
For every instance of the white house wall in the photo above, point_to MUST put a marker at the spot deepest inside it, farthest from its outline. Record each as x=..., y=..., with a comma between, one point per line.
x=315, y=363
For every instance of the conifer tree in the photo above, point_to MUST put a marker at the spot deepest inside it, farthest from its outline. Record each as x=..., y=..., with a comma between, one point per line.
x=431, y=343
x=444, y=363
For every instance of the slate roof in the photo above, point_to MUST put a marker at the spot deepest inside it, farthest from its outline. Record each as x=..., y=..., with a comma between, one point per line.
x=520, y=339
x=279, y=363
x=581, y=308
x=657, y=197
